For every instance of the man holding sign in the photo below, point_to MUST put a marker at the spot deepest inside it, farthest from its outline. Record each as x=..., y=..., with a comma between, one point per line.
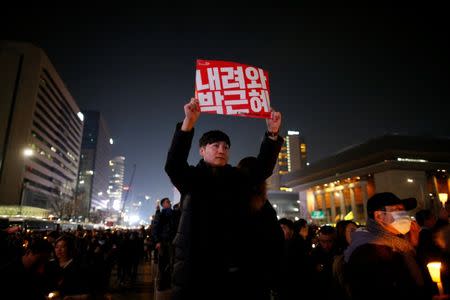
x=208, y=254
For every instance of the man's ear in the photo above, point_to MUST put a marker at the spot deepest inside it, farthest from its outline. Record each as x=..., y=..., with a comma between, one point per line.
x=378, y=215
x=201, y=151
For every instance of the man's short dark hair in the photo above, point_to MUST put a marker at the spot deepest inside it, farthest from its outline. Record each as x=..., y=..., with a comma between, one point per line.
x=214, y=136
x=164, y=200
x=287, y=222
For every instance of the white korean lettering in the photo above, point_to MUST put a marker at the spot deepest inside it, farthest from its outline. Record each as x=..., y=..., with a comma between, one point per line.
x=252, y=74
x=211, y=103
x=232, y=78
x=259, y=101
x=199, y=83
x=214, y=78
x=232, y=102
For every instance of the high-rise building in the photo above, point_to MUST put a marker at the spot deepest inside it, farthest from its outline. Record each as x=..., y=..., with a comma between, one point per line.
x=292, y=157
x=93, y=177
x=40, y=132
x=115, y=188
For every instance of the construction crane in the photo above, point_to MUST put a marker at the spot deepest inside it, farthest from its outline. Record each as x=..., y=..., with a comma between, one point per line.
x=122, y=211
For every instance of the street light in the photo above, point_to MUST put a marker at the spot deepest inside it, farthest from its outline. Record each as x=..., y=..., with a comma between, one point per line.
x=27, y=152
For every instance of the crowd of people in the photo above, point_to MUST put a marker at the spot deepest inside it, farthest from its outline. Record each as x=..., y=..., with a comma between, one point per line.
x=223, y=240
x=229, y=243
x=71, y=264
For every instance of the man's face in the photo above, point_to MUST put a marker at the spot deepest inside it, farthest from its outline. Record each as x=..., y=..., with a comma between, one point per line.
x=326, y=242
x=215, y=154
x=385, y=218
x=166, y=204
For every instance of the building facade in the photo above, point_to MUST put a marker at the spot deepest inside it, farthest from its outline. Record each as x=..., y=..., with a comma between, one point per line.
x=94, y=173
x=40, y=133
x=115, y=188
x=338, y=187
x=292, y=157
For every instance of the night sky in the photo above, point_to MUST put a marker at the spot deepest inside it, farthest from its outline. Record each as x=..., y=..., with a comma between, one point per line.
x=339, y=75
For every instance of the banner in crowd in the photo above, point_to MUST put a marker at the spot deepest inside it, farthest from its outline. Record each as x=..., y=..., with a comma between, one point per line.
x=229, y=88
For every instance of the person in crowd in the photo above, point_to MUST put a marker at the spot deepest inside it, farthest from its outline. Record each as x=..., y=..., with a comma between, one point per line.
x=322, y=257
x=163, y=233
x=427, y=249
x=380, y=262
x=344, y=230
x=442, y=240
x=72, y=278
x=295, y=272
x=261, y=237
x=206, y=244
x=25, y=277
x=304, y=231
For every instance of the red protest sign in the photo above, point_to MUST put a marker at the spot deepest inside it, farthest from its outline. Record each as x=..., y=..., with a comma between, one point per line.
x=229, y=88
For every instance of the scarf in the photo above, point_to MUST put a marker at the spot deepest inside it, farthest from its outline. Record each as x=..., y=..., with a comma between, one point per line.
x=383, y=237
x=399, y=244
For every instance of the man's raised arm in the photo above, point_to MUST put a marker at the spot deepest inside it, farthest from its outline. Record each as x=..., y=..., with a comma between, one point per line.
x=176, y=164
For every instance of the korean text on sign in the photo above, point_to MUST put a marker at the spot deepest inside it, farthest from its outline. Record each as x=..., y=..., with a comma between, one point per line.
x=231, y=88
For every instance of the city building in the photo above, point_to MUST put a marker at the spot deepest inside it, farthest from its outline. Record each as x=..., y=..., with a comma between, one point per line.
x=94, y=174
x=338, y=187
x=285, y=203
x=291, y=158
x=40, y=134
x=115, y=188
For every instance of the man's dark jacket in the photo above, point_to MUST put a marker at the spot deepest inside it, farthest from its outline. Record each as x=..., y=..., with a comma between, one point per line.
x=210, y=233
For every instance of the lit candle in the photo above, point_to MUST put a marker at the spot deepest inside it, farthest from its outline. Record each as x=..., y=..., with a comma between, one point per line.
x=435, y=272
x=443, y=198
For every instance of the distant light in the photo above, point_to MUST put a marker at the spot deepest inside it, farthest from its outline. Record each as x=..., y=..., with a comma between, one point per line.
x=53, y=149
x=80, y=116
x=147, y=197
x=111, y=141
x=292, y=132
x=82, y=182
x=133, y=219
x=298, y=201
x=307, y=163
x=296, y=209
x=28, y=152
x=296, y=218
x=411, y=160
x=100, y=193
x=409, y=180
x=274, y=206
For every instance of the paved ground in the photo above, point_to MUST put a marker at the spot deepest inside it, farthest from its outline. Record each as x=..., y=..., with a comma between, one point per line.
x=143, y=288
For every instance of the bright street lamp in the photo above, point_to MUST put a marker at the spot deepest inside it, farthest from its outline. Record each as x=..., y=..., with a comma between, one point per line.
x=27, y=152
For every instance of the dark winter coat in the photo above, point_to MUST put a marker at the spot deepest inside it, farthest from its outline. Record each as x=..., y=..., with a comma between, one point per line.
x=210, y=233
